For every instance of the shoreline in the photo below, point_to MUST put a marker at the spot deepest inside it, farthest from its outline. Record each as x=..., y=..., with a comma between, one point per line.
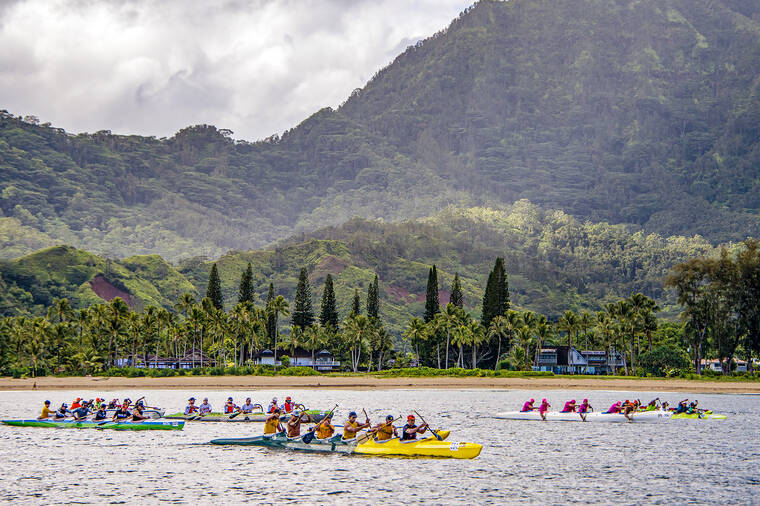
x=375, y=383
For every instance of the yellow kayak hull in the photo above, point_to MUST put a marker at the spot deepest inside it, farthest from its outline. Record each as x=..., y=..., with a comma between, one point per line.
x=429, y=447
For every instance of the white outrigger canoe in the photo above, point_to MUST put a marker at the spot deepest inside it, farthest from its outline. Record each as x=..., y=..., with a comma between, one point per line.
x=555, y=416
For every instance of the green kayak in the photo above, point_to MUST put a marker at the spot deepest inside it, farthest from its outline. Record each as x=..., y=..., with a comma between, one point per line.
x=89, y=424
x=316, y=415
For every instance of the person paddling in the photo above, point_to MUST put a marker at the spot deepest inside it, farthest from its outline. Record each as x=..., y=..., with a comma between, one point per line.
x=653, y=404
x=122, y=413
x=63, y=411
x=682, y=407
x=247, y=407
x=205, y=407
x=76, y=404
x=273, y=405
x=81, y=412
x=544, y=408
x=528, y=406
x=230, y=406
x=294, y=424
x=615, y=408
x=352, y=427
x=191, y=409
x=385, y=430
x=137, y=414
x=629, y=409
x=325, y=429
x=410, y=430
x=289, y=405
x=272, y=424
x=101, y=413
x=584, y=408
x=569, y=407
x=46, y=412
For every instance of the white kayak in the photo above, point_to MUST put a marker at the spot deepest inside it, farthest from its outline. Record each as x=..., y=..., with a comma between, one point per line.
x=555, y=416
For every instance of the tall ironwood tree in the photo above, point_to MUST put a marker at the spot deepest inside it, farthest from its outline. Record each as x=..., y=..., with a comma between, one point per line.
x=432, y=305
x=245, y=292
x=214, y=288
x=328, y=314
x=303, y=314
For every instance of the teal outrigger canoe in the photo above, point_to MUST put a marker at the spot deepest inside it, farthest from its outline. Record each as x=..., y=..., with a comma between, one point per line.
x=426, y=447
x=101, y=424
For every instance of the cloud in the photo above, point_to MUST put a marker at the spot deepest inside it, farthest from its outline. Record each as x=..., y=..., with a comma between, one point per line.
x=256, y=67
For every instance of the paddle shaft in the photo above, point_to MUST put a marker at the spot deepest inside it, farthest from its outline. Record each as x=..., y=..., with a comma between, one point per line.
x=370, y=433
x=439, y=438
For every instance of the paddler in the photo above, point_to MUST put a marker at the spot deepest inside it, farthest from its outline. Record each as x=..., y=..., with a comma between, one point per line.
x=584, y=408
x=544, y=408
x=46, y=412
x=230, y=406
x=247, y=407
x=289, y=405
x=569, y=407
x=272, y=424
x=76, y=404
x=629, y=408
x=682, y=407
x=205, y=407
x=101, y=413
x=325, y=429
x=81, y=412
x=351, y=427
x=63, y=411
x=294, y=424
x=122, y=413
x=652, y=406
x=113, y=404
x=615, y=408
x=528, y=406
x=272, y=405
x=410, y=430
x=693, y=407
x=385, y=430
x=191, y=409
x=137, y=414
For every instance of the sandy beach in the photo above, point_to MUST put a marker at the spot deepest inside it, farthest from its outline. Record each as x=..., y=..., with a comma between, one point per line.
x=372, y=383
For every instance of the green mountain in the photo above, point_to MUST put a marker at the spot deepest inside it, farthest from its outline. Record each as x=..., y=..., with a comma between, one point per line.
x=28, y=285
x=642, y=112
x=554, y=261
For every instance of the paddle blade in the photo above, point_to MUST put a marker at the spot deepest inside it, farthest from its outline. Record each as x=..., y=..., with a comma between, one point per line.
x=308, y=437
x=439, y=438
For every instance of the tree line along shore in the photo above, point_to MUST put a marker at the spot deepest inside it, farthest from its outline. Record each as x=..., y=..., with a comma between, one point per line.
x=719, y=296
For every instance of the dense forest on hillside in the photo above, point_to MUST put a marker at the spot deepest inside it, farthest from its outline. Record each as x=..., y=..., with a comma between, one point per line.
x=554, y=263
x=626, y=112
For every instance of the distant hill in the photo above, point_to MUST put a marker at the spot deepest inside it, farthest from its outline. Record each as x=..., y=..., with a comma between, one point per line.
x=642, y=112
x=554, y=262
x=29, y=285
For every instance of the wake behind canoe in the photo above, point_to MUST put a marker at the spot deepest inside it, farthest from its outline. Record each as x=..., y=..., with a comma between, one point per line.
x=89, y=424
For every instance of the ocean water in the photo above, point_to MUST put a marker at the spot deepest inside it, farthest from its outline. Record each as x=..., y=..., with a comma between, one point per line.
x=522, y=461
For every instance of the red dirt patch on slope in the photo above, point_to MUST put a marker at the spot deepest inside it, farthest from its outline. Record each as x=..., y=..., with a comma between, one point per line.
x=332, y=264
x=107, y=291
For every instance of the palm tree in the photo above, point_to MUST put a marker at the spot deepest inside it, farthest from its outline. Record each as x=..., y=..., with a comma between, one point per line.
x=358, y=331
x=626, y=318
x=525, y=337
x=313, y=337
x=196, y=318
x=460, y=336
x=416, y=331
x=568, y=322
x=448, y=319
x=543, y=331
x=60, y=309
x=477, y=337
x=585, y=322
x=115, y=323
x=278, y=307
x=499, y=328
x=185, y=302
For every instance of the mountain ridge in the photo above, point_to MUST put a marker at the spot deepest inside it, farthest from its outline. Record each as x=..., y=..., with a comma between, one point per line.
x=641, y=112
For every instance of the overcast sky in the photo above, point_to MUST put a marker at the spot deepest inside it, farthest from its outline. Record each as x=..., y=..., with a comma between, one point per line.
x=256, y=67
